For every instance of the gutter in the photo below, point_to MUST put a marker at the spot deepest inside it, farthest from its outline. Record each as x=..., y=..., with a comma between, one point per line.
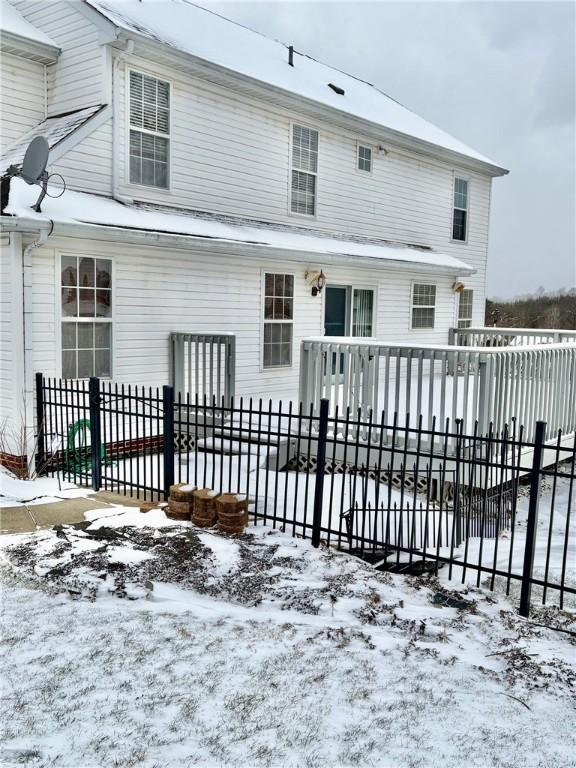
x=253, y=249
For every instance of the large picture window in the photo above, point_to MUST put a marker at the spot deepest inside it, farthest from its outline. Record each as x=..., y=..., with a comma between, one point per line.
x=423, y=305
x=460, y=212
x=86, y=327
x=149, y=130
x=304, y=170
x=278, y=320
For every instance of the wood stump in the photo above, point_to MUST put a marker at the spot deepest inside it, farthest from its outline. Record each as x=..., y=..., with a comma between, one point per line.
x=147, y=506
x=180, y=501
x=204, y=513
x=232, y=509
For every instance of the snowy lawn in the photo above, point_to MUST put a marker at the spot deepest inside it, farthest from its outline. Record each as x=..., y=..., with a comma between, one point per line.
x=134, y=641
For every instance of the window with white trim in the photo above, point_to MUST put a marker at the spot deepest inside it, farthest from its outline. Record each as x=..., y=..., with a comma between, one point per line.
x=423, y=305
x=86, y=323
x=278, y=320
x=364, y=158
x=460, y=212
x=149, y=130
x=304, y=170
x=465, y=302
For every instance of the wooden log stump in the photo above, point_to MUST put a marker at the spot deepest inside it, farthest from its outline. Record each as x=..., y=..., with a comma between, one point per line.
x=204, y=512
x=147, y=506
x=232, y=510
x=180, y=501
x=182, y=492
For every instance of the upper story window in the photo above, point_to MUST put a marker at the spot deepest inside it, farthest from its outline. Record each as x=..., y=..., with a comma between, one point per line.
x=86, y=291
x=423, y=305
x=460, y=212
x=364, y=158
x=149, y=130
x=304, y=170
x=278, y=320
x=465, y=308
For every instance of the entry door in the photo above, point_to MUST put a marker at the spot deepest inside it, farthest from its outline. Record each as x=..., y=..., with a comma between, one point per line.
x=336, y=310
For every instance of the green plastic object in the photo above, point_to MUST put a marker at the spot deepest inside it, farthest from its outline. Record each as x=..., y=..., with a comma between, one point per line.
x=77, y=457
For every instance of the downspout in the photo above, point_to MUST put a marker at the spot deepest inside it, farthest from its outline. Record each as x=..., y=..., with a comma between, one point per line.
x=117, y=142
x=27, y=319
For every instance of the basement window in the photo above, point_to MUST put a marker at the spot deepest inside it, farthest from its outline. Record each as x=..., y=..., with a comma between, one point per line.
x=278, y=320
x=465, y=303
x=86, y=320
x=149, y=130
x=423, y=305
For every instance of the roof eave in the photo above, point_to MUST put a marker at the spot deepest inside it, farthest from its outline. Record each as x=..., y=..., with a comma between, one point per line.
x=117, y=234
x=19, y=45
x=349, y=120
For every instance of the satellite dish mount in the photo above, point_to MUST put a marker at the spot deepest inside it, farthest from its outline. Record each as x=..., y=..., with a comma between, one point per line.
x=33, y=169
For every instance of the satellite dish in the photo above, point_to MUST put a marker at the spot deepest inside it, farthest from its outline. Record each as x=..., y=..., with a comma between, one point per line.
x=35, y=161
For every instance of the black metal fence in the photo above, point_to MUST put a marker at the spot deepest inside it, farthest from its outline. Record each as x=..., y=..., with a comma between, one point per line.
x=407, y=499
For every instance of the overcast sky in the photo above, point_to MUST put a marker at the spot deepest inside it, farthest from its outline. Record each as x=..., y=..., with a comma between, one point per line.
x=500, y=76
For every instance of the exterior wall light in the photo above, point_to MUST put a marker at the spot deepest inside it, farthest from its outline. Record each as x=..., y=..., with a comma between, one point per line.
x=317, y=281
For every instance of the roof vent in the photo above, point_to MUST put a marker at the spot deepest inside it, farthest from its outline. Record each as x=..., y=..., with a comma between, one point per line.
x=336, y=89
x=291, y=55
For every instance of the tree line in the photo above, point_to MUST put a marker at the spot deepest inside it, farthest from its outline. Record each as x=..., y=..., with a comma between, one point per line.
x=541, y=310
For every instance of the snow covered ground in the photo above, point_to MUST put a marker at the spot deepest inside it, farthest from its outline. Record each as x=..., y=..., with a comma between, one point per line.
x=131, y=640
x=42, y=490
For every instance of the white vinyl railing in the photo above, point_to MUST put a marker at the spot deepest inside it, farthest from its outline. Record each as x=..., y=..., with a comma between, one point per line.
x=492, y=386
x=203, y=365
x=507, y=337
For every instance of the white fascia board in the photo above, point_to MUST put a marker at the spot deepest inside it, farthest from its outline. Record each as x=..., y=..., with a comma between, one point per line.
x=187, y=242
x=147, y=48
x=35, y=50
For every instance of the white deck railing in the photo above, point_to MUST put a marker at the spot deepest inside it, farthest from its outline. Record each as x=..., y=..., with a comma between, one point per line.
x=203, y=365
x=492, y=385
x=508, y=337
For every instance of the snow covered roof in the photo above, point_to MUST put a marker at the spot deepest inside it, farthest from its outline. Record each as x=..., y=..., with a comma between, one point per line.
x=54, y=130
x=81, y=208
x=204, y=34
x=15, y=24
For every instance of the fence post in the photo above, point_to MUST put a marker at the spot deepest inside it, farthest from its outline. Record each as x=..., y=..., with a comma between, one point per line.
x=40, y=458
x=320, y=466
x=532, y=518
x=95, y=436
x=168, y=405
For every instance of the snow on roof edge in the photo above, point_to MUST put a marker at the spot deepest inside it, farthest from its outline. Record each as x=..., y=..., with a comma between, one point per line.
x=12, y=21
x=363, y=100
x=72, y=208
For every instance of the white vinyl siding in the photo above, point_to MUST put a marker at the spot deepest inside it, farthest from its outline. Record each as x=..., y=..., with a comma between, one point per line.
x=79, y=78
x=460, y=211
x=149, y=130
x=304, y=170
x=86, y=317
x=465, y=306
x=21, y=97
x=278, y=320
x=364, y=160
x=231, y=154
x=423, y=305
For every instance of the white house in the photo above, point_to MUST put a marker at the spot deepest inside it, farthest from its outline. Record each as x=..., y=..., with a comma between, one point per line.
x=211, y=176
